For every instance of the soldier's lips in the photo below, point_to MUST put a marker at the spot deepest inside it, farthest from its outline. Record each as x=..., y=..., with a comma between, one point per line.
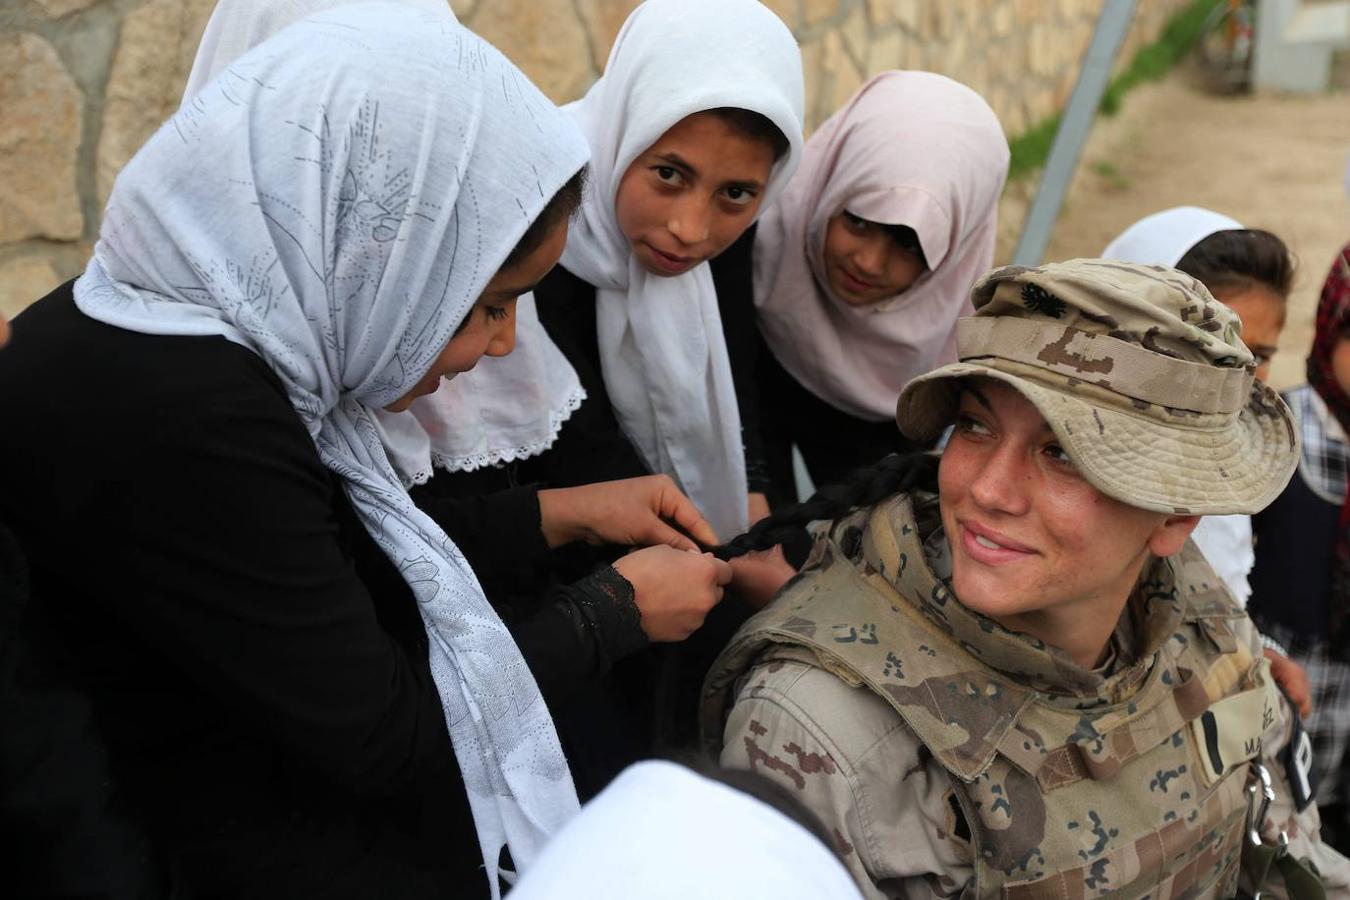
x=987, y=546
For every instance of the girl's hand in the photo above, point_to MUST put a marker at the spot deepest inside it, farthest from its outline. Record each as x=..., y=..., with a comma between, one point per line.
x=634, y=512
x=673, y=589
x=757, y=577
x=1293, y=679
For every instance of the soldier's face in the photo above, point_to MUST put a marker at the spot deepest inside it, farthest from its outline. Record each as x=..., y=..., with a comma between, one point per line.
x=1035, y=546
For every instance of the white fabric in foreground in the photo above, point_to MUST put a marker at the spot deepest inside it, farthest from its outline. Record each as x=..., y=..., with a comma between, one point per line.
x=506, y=409
x=662, y=832
x=663, y=354
x=1162, y=239
x=909, y=148
x=336, y=201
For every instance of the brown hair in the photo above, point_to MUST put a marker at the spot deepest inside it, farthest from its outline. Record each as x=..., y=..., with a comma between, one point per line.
x=755, y=126
x=1241, y=258
x=560, y=208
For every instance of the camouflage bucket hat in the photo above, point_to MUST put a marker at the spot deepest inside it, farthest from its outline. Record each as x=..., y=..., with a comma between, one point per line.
x=1141, y=373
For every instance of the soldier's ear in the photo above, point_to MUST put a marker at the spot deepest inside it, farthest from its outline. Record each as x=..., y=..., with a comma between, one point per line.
x=1170, y=535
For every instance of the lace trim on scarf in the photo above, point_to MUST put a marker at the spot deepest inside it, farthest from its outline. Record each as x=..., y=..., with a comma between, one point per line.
x=472, y=461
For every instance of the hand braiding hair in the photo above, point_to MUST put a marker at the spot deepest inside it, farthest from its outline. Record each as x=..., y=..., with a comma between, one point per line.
x=894, y=474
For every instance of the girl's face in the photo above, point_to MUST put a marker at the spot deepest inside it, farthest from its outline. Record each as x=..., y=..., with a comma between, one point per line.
x=1262, y=313
x=1340, y=363
x=1034, y=546
x=864, y=263
x=489, y=329
x=690, y=195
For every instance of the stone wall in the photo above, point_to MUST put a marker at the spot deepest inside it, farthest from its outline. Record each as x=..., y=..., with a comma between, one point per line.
x=83, y=83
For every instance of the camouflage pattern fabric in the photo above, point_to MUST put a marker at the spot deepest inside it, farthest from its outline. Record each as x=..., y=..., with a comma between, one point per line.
x=1141, y=373
x=952, y=757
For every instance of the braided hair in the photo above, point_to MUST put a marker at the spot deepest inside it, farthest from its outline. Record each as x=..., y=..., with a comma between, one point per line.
x=895, y=474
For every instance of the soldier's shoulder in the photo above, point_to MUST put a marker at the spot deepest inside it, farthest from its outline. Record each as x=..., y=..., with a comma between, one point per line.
x=854, y=718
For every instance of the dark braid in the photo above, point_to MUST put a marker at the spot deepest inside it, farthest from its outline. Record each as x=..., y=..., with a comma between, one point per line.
x=895, y=474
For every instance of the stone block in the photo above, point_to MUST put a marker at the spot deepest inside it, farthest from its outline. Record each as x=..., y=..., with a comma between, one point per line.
x=39, y=142
x=942, y=22
x=1042, y=53
x=855, y=33
x=23, y=280
x=55, y=9
x=1001, y=19
x=881, y=12
x=1029, y=12
x=603, y=20
x=154, y=55
x=812, y=64
x=909, y=13
x=545, y=39
x=815, y=12
x=957, y=52
x=841, y=74
x=886, y=52
x=787, y=10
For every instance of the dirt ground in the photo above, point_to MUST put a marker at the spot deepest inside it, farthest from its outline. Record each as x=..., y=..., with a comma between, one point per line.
x=1270, y=161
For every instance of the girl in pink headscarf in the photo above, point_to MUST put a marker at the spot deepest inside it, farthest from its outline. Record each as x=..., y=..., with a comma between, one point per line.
x=862, y=267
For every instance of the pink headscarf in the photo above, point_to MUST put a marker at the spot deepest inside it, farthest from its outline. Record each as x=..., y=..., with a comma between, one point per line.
x=909, y=148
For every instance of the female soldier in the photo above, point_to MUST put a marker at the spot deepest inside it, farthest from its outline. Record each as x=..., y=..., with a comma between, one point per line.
x=1009, y=672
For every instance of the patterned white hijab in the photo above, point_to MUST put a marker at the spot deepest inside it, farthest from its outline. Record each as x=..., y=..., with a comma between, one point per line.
x=662, y=350
x=336, y=201
x=508, y=408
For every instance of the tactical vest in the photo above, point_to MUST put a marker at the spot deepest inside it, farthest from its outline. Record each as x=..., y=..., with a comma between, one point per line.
x=1139, y=797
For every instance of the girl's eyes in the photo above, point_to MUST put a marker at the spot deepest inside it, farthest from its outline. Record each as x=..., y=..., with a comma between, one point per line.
x=495, y=313
x=667, y=174
x=739, y=195
x=854, y=222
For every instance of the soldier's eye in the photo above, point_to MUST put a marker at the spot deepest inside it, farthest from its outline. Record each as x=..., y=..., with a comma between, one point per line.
x=968, y=424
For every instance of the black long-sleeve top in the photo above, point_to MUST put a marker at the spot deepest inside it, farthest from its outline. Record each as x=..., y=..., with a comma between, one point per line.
x=592, y=445
x=256, y=664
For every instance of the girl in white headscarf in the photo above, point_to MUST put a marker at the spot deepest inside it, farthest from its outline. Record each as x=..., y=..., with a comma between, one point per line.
x=290, y=656
x=1251, y=272
x=507, y=409
x=1248, y=271
x=694, y=127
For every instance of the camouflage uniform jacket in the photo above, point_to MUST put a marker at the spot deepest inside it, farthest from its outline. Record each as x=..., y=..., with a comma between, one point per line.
x=951, y=757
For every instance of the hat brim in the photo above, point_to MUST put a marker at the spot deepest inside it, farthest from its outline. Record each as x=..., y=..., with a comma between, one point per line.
x=1235, y=469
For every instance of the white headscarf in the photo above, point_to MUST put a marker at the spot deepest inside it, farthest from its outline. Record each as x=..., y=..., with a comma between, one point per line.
x=909, y=148
x=1162, y=239
x=507, y=408
x=336, y=201
x=663, y=354
x=237, y=26
x=662, y=832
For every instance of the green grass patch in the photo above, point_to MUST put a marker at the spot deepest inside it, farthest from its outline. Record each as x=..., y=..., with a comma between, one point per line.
x=1031, y=149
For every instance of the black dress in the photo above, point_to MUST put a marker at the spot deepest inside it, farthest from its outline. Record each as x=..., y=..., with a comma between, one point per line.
x=61, y=822
x=256, y=666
